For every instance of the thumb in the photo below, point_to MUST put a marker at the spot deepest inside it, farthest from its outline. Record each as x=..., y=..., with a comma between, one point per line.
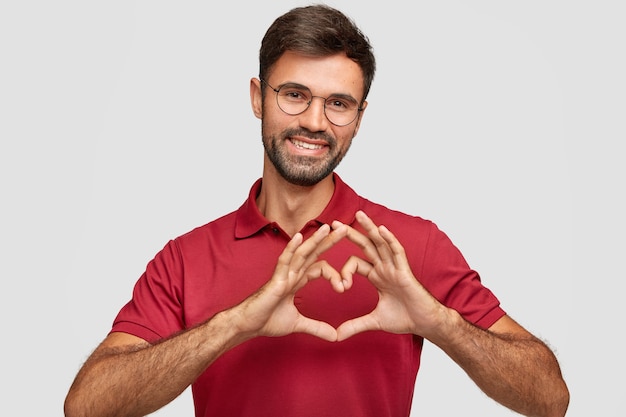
x=358, y=325
x=316, y=328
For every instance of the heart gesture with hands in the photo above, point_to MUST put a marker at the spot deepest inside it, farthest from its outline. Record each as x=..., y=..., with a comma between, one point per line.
x=404, y=305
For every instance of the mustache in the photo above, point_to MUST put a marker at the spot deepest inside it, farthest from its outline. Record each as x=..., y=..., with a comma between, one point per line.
x=310, y=135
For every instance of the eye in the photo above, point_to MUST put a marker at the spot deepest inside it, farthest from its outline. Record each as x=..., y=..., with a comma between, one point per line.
x=294, y=95
x=339, y=104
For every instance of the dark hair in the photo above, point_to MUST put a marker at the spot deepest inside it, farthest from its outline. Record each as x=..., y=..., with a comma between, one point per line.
x=317, y=30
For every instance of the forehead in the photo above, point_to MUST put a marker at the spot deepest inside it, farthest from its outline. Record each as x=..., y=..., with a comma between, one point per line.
x=324, y=75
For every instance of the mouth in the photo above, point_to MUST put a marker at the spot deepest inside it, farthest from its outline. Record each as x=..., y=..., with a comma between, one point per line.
x=306, y=145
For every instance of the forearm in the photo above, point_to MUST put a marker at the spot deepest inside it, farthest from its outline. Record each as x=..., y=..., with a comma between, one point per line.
x=518, y=371
x=135, y=381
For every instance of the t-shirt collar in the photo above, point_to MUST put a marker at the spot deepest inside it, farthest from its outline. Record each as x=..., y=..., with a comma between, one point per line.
x=342, y=206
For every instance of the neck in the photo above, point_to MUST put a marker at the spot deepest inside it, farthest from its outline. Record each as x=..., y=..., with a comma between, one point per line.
x=292, y=206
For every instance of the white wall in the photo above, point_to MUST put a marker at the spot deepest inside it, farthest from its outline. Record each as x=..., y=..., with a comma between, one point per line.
x=126, y=123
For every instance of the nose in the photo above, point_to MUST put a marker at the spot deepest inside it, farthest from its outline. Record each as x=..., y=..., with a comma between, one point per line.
x=314, y=117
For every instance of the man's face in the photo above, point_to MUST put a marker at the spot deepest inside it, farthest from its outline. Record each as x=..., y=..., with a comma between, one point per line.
x=306, y=148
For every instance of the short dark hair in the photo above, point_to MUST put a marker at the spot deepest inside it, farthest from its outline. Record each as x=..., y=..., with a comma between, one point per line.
x=317, y=30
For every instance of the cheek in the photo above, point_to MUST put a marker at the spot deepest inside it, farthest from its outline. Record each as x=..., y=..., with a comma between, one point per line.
x=270, y=127
x=344, y=137
x=268, y=120
x=275, y=123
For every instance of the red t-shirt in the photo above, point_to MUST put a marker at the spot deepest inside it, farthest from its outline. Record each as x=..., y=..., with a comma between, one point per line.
x=216, y=266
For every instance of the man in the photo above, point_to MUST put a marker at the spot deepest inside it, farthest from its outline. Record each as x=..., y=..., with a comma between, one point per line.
x=309, y=300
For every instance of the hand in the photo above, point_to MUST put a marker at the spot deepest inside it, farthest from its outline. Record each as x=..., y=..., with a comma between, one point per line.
x=271, y=310
x=404, y=305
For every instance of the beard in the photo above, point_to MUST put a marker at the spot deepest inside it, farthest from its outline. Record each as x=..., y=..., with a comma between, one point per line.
x=298, y=169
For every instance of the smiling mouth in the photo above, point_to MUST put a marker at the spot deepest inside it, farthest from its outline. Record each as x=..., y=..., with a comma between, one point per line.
x=305, y=145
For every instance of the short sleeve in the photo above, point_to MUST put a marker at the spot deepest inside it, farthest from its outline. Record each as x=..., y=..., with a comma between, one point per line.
x=155, y=309
x=447, y=275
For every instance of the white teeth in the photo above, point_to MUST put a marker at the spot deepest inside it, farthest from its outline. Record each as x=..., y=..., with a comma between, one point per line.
x=305, y=145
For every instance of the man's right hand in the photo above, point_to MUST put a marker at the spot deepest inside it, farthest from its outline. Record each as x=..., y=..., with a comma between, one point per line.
x=271, y=310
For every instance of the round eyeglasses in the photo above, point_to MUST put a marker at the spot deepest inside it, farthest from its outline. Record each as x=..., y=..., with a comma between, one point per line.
x=293, y=99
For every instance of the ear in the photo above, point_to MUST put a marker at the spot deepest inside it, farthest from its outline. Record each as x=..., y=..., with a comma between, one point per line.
x=359, y=118
x=256, y=98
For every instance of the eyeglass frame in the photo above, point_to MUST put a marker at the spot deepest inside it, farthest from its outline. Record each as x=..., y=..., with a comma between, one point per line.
x=359, y=109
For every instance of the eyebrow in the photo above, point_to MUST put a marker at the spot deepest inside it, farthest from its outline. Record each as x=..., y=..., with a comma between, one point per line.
x=304, y=87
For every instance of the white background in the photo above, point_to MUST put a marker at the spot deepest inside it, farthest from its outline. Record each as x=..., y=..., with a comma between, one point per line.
x=126, y=123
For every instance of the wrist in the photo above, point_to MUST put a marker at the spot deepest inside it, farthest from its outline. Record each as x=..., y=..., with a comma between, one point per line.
x=239, y=323
x=447, y=328
x=229, y=324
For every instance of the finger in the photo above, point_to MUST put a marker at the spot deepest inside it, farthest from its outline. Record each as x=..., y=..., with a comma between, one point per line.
x=287, y=254
x=322, y=240
x=301, y=256
x=365, y=243
x=373, y=232
x=396, y=247
x=361, y=241
x=355, y=326
x=316, y=328
x=354, y=265
x=337, y=234
x=323, y=269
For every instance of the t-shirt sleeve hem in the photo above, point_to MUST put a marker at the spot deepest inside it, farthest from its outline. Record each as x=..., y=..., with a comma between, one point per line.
x=490, y=318
x=136, y=330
